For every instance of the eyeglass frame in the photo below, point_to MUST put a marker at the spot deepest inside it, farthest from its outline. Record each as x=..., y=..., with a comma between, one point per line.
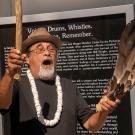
x=37, y=50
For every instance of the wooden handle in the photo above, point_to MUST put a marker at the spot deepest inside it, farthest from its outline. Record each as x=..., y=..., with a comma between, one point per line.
x=18, y=31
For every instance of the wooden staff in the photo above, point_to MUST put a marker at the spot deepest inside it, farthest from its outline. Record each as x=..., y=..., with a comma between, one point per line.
x=18, y=31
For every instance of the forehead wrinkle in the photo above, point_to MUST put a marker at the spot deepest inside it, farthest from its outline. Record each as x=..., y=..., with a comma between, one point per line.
x=43, y=44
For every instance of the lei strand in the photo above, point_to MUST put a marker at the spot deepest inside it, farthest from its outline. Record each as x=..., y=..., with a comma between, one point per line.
x=37, y=103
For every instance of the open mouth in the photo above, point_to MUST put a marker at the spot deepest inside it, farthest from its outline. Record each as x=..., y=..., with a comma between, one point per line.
x=47, y=62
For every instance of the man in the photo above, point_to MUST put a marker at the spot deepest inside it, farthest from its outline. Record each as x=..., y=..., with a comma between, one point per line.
x=42, y=103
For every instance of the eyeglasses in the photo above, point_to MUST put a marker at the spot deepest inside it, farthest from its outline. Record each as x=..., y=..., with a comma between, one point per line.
x=41, y=49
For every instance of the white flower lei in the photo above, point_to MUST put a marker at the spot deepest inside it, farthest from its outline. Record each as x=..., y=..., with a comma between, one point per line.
x=37, y=103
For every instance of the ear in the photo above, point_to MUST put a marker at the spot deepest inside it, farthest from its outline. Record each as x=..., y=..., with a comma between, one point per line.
x=27, y=60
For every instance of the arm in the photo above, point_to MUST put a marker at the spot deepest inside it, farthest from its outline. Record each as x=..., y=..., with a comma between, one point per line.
x=96, y=121
x=15, y=60
x=6, y=85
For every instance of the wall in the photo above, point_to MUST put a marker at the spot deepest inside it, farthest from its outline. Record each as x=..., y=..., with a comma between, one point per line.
x=41, y=6
x=62, y=5
x=5, y=8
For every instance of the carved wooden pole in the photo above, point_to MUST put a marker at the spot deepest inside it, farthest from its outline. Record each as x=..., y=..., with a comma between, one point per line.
x=18, y=30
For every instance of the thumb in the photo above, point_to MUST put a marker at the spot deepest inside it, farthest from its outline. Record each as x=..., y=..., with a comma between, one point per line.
x=105, y=91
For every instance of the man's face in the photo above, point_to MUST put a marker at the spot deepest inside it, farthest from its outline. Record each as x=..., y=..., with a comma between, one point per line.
x=42, y=60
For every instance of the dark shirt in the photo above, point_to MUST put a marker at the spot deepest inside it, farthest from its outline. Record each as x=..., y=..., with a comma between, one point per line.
x=22, y=118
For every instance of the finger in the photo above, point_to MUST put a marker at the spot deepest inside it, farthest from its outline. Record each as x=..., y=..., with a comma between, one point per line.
x=104, y=108
x=108, y=103
x=17, y=56
x=15, y=62
x=16, y=51
x=23, y=56
x=112, y=106
x=118, y=101
x=14, y=56
x=105, y=91
x=107, y=106
x=15, y=67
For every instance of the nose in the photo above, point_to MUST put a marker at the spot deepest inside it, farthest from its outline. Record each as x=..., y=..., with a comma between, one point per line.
x=46, y=52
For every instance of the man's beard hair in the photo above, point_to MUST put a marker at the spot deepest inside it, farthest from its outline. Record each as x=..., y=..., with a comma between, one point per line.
x=46, y=74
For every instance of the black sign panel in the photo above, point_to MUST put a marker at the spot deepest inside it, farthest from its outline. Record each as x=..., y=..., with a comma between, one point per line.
x=88, y=57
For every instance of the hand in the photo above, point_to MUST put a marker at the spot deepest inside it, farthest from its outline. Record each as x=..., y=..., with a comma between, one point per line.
x=107, y=105
x=15, y=61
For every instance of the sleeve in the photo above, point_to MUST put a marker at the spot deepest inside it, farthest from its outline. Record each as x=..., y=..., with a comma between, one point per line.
x=83, y=110
x=15, y=92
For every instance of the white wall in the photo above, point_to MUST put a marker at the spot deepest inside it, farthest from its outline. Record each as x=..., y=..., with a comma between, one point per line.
x=5, y=8
x=44, y=6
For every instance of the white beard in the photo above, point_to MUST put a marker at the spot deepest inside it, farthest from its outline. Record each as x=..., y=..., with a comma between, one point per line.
x=46, y=74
